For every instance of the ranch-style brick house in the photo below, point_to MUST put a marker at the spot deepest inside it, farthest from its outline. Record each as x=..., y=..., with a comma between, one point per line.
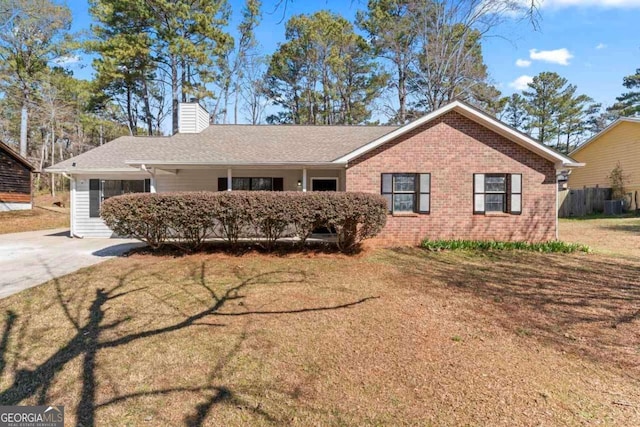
x=454, y=173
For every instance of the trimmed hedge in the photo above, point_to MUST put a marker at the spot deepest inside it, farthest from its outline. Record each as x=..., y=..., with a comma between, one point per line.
x=483, y=245
x=187, y=220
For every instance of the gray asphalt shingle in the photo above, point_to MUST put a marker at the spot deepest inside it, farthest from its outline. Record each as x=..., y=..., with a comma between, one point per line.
x=244, y=144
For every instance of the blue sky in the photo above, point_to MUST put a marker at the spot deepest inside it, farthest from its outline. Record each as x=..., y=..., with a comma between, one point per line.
x=592, y=43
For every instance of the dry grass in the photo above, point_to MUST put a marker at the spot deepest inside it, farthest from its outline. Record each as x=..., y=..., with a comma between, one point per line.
x=37, y=218
x=385, y=338
x=606, y=235
x=31, y=220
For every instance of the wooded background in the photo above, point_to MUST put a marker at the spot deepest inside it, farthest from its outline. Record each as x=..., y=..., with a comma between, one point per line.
x=398, y=60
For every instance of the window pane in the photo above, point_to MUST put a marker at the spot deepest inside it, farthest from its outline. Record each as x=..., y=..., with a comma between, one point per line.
x=387, y=183
x=494, y=203
x=425, y=183
x=261, y=184
x=132, y=186
x=111, y=188
x=241, y=184
x=495, y=183
x=425, y=203
x=403, y=202
x=404, y=182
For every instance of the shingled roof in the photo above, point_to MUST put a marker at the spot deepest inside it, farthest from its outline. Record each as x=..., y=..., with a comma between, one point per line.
x=230, y=145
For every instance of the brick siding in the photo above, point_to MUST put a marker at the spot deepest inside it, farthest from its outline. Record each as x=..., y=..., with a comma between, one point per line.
x=452, y=148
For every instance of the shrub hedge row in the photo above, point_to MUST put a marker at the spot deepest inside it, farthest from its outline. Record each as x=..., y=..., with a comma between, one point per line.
x=483, y=245
x=188, y=219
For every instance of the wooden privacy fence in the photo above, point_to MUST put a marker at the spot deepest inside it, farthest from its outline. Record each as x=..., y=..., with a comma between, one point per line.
x=581, y=202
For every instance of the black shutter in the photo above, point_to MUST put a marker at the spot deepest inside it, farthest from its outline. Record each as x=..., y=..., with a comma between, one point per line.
x=515, y=189
x=147, y=185
x=222, y=184
x=424, y=193
x=478, y=193
x=278, y=184
x=386, y=189
x=94, y=198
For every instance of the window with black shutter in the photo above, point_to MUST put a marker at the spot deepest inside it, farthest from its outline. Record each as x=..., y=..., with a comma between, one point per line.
x=407, y=192
x=497, y=193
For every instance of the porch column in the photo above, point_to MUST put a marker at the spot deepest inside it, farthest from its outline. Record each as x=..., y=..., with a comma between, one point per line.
x=229, y=179
x=304, y=179
x=73, y=206
x=152, y=182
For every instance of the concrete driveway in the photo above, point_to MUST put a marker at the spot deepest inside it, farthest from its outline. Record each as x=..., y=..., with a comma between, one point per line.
x=34, y=257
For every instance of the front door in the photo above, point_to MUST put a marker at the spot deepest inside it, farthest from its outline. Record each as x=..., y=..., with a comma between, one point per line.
x=324, y=184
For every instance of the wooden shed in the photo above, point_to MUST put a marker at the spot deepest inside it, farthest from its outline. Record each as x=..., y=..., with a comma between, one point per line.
x=15, y=180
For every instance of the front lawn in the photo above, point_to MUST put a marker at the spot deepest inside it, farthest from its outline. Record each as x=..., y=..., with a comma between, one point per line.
x=384, y=338
x=610, y=235
x=32, y=220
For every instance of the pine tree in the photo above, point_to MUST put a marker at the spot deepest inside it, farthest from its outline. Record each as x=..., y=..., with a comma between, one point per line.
x=629, y=102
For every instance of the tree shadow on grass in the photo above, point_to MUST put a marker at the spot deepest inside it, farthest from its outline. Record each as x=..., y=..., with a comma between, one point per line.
x=627, y=228
x=582, y=303
x=89, y=340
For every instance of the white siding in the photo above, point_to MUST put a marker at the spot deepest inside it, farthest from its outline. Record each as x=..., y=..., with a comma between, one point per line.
x=207, y=179
x=188, y=180
x=192, y=118
x=183, y=180
x=84, y=225
x=6, y=206
x=203, y=119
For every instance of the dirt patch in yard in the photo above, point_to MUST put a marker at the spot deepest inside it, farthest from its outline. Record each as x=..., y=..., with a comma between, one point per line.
x=389, y=337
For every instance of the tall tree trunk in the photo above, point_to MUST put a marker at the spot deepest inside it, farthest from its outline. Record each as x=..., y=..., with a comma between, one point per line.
x=147, y=107
x=175, y=95
x=53, y=159
x=235, y=104
x=183, y=81
x=133, y=127
x=402, y=95
x=24, y=120
x=43, y=156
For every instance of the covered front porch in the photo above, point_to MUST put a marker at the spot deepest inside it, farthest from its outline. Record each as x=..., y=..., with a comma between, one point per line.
x=245, y=178
x=90, y=189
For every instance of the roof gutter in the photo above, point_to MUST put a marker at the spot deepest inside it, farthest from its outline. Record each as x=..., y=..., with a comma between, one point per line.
x=90, y=171
x=159, y=163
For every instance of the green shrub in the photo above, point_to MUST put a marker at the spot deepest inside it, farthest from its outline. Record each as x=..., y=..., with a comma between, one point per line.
x=186, y=220
x=485, y=245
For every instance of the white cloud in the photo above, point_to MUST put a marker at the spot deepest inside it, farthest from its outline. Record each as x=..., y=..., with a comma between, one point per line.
x=523, y=63
x=601, y=46
x=521, y=83
x=557, y=56
x=67, y=60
